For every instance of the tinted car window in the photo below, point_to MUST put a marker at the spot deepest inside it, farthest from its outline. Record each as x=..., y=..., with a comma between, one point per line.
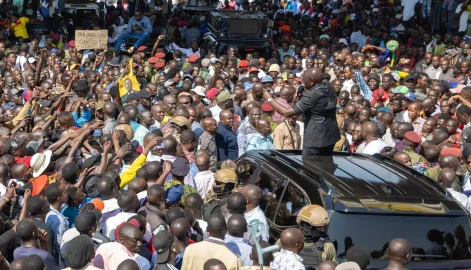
x=426, y=234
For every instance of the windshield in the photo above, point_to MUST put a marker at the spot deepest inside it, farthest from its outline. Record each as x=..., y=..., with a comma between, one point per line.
x=432, y=238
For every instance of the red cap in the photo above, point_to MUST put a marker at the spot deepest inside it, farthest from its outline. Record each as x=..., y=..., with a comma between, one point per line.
x=153, y=60
x=281, y=23
x=141, y=48
x=56, y=36
x=213, y=92
x=297, y=79
x=72, y=43
x=99, y=204
x=413, y=137
x=451, y=151
x=193, y=58
x=244, y=63
x=181, y=24
x=266, y=107
x=39, y=183
x=134, y=65
x=49, y=36
x=160, y=55
x=160, y=64
x=253, y=69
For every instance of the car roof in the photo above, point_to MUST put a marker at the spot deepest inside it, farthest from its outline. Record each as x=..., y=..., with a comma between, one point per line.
x=365, y=182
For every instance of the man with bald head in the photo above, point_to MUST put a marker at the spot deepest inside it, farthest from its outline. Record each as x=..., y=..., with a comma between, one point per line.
x=372, y=144
x=403, y=158
x=109, y=255
x=158, y=111
x=226, y=139
x=109, y=111
x=236, y=228
x=287, y=94
x=399, y=252
x=292, y=242
x=262, y=140
x=182, y=231
x=319, y=106
x=146, y=120
x=253, y=212
x=447, y=178
x=207, y=140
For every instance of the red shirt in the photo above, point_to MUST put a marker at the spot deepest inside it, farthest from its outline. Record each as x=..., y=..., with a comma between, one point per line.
x=376, y=95
x=26, y=160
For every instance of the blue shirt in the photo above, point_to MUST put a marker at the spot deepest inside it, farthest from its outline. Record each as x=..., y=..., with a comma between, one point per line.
x=226, y=143
x=134, y=125
x=46, y=256
x=86, y=116
x=259, y=142
x=70, y=213
x=58, y=224
x=240, y=247
x=144, y=23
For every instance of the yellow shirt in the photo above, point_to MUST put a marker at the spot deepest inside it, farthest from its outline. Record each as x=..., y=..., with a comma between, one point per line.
x=166, y=119
x=20, y=27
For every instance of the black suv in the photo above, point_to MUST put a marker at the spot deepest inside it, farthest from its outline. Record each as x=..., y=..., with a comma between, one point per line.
x=370, y=199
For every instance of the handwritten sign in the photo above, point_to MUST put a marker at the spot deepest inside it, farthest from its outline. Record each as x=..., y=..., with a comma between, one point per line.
x=91, y=39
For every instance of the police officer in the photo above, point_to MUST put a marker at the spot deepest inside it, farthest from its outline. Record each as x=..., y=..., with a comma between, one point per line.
x=216, y=200
x=312, y=221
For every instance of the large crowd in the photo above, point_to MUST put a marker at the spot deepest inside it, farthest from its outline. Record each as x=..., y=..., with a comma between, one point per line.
x=126, y=157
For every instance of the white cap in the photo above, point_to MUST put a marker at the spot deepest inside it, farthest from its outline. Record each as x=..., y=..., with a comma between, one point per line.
x=31, y=60
x=375, y=9
x=344, y=41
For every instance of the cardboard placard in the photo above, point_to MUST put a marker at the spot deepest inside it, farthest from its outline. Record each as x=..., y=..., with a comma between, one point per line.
x=91, y=39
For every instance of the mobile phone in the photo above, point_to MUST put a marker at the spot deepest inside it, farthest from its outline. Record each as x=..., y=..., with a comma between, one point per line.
x=20, y=191
x=97, y=132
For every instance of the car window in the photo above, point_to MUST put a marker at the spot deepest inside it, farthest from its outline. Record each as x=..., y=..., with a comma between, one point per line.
x=272, y=184
x=292, y=201
x=247, y=170
x=431, y=237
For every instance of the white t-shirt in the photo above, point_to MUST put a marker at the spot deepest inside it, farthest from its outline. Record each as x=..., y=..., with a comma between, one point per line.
x=463, y=18
x=409, y=9
x=372, y=148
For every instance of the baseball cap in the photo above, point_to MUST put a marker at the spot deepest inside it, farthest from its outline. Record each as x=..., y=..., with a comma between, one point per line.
x=253, y=69
x=181, y=167
x=174, y=194
x=162, y=242
x=400, y=90
x=409, y=77
x=410, y=96
x=266, y=79
x=374, y=76
x=225, y=95
x=244, y=63
x=13, y=144
x=212, y=92
x=344, y=41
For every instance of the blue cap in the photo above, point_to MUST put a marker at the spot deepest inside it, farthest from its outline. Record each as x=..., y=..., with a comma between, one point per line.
x=410, y=96
x=174, y=194
x=214, y=60
x=267, y=79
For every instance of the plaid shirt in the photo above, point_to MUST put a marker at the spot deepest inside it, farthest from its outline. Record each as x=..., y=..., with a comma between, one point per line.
x=418, y=125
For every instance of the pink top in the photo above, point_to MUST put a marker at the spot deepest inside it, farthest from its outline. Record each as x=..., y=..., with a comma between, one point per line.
x=278, y=117
x=108, y=256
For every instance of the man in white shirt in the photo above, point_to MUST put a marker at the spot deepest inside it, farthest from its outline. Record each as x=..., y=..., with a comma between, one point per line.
x=447, y=177
x=129, y=203
x=254, y=213
x=204, y=179
x=372, y=144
